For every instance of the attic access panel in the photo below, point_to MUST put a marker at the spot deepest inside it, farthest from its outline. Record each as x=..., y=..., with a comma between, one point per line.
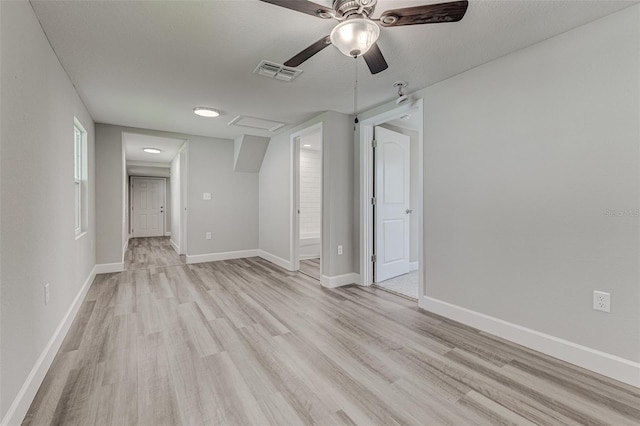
x=256, y=123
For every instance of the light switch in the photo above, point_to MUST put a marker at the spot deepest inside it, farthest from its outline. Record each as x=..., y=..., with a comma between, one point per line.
x=206, y=195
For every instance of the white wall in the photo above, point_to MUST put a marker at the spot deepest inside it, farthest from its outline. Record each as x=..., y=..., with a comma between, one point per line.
x=38, y=242
x=524, y=156
x=338, y=215
x=310, y=192
x=338, y=187
x=111, y=192
x=274, y=198
x=232, y=213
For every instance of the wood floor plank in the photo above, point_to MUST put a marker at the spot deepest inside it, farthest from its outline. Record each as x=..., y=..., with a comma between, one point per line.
x=157, y=404
x=490, y=410
x=244, y=342
x=47, y=402
x=311, y=267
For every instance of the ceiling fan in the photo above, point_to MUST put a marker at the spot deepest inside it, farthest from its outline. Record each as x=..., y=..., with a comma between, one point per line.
x=357, y=33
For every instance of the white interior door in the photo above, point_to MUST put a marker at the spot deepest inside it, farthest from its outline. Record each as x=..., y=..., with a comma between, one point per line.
x=148, y=207
x=392, y=207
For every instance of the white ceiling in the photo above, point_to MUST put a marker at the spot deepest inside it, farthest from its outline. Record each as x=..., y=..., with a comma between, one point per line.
x=135, y=143
x=147, y=64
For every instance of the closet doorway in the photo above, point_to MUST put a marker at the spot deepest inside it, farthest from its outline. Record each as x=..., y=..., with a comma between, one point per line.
x=307, y=235
x=391, y=176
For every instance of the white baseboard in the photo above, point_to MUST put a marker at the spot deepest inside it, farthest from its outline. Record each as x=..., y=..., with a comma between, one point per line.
x=174, y=245
x=339, y=280
x=106, y=268
x=413, y=266
x=167, y=234
x=213, y=257
x=603, y=363
x=20, y=405
x=283, y=263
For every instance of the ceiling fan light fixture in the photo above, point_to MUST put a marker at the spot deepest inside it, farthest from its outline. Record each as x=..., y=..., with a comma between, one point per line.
x=354, y=37
x=206, y=112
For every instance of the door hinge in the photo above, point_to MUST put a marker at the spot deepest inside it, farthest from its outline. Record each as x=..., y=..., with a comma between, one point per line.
x=374, y=143
x=373, y=201
x=373, y=258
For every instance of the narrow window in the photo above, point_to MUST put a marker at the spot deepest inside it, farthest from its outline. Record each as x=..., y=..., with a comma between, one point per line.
x=80, y=175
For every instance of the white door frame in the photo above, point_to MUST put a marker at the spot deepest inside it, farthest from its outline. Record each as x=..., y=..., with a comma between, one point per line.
x=295, y=196
x=366, y=190
x=164, y=201
x=184, y=195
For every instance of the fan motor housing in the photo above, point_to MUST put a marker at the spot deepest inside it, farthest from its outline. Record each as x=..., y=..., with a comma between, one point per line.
x=346, y=8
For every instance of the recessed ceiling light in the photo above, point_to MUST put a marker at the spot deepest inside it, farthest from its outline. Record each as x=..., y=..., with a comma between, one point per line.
x=307, y=146
x=206, y=112
x=152, y=150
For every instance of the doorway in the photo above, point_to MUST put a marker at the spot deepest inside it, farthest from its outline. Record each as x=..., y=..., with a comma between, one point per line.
x=307, y=235
x=391, y=180
x=147, y=206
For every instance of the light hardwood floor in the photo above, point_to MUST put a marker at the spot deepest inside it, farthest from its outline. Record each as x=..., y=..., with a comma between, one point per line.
x=245, y=342
x=311, y=267
x=143, y=253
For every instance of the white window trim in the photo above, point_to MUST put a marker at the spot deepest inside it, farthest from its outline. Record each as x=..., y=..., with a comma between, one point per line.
x=79, y=180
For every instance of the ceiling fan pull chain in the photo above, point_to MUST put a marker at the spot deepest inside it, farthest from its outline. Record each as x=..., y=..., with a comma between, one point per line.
x=355, y=93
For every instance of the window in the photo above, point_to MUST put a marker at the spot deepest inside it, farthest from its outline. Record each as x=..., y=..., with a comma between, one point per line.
x=79, y=175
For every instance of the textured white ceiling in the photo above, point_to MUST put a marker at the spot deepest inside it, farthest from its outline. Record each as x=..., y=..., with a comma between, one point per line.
x=148, y=63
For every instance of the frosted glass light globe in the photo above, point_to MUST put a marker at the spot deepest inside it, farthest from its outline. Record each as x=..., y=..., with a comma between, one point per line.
x=354, y=37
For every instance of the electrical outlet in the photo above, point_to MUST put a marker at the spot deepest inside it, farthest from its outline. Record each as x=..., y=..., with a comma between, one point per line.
x=206, y=196
x=46, y=293
x=207, y=235
x=339, y=250
x=601, y=301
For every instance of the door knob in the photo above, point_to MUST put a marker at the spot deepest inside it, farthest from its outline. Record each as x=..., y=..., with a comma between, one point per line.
x=409, y=211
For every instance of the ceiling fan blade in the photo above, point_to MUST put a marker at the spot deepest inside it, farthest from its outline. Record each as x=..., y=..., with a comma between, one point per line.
x=304, y=6
x=427, y=14
x=308, y=52
x=374, y=59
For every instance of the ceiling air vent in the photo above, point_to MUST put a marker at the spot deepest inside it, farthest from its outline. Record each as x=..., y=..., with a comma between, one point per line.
x=277, y=71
